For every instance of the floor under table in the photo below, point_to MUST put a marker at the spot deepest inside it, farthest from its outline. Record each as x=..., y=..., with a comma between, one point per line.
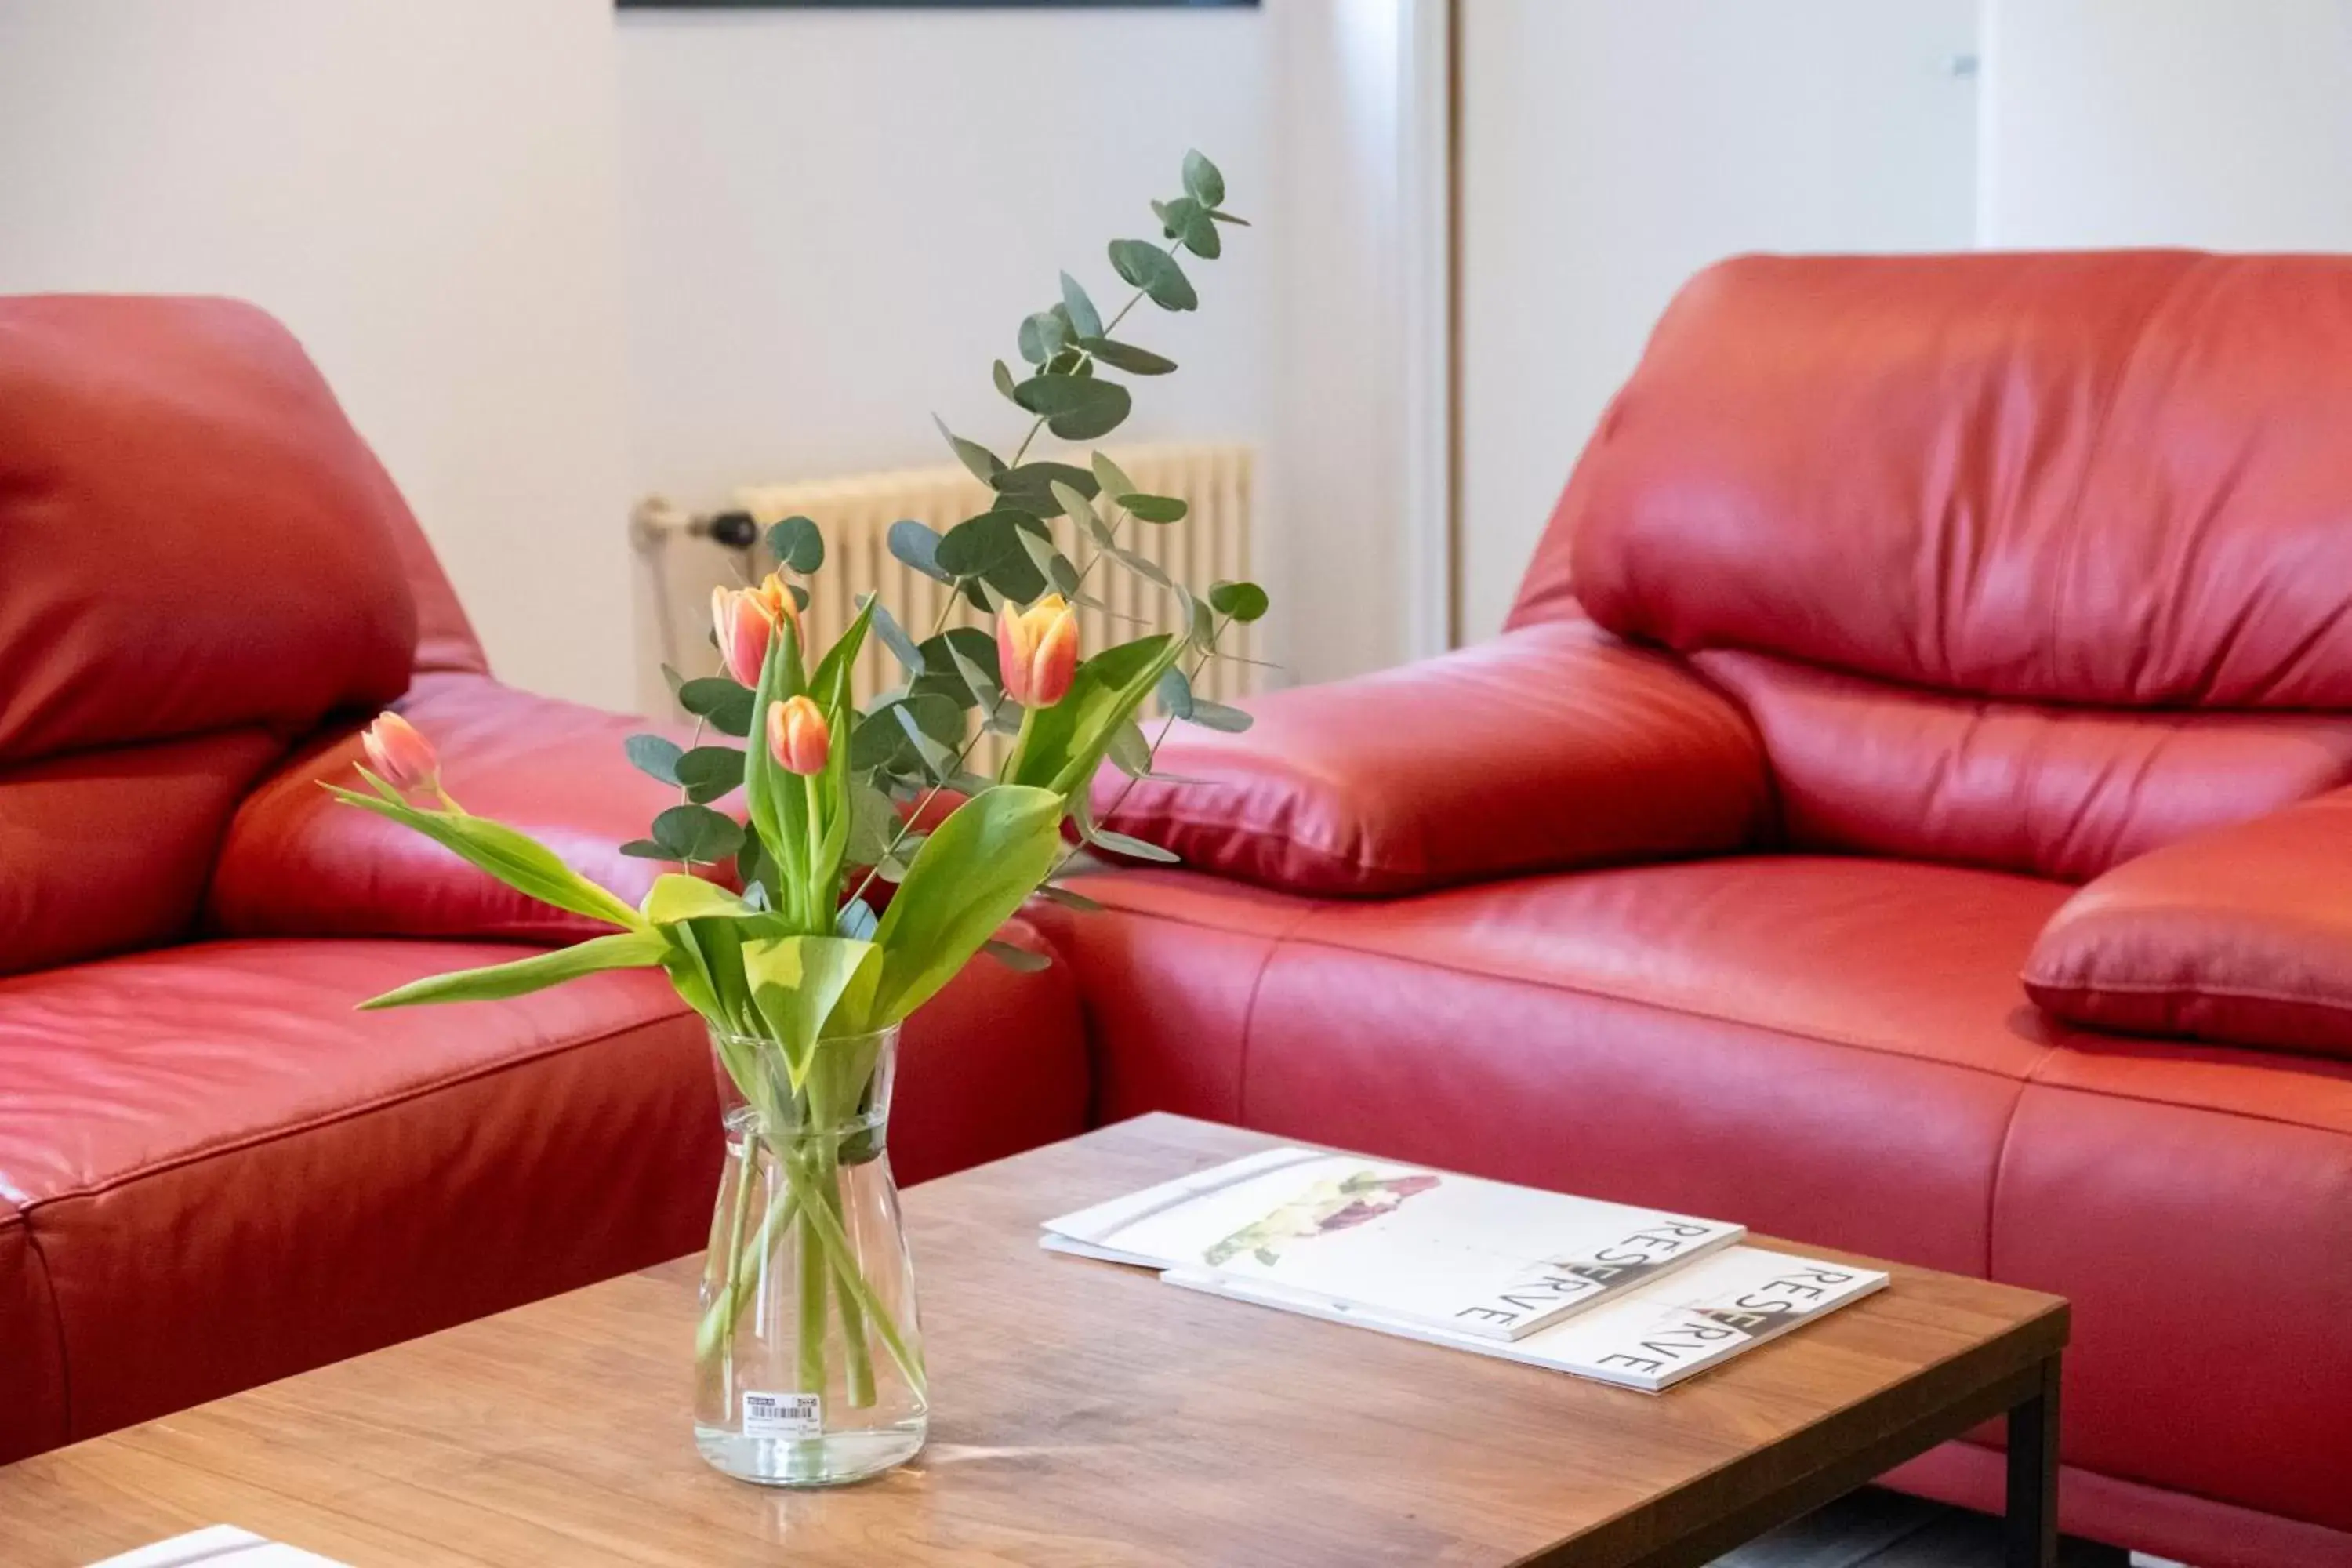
x=1874, y=1529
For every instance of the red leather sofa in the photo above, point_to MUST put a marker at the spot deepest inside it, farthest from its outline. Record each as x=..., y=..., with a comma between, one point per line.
x=1910, y=625
x=213, y=1171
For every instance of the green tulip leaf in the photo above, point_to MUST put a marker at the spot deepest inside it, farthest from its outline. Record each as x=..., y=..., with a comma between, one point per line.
x=965, y=882
x=622, y=949
x=516, y=858
x=802, y=984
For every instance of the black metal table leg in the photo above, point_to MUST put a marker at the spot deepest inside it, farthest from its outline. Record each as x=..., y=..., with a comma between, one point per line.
x=2033, y=1475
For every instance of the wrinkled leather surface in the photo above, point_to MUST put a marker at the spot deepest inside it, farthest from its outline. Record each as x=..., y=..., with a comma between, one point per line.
x=2113, y=478
x=231, y=1176
x=191, y=536
x=108, y=850
x=2242, y=935
x=1836, y=1050
x=297, y=863
x=1555, y=746
x=2048, y=790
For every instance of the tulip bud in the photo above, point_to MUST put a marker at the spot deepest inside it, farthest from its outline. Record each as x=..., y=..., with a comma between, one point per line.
x=400, y=757
x=1037, y=651
x=745, y=619
x=797, y=736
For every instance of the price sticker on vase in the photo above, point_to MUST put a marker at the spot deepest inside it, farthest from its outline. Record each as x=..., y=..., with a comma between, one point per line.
x=782, y=1415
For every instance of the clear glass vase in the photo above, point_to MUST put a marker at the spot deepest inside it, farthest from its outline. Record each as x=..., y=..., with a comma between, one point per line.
x=808, y=1358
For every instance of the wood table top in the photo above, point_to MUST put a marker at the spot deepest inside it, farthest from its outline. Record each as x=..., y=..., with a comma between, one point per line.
x=1083, y=1414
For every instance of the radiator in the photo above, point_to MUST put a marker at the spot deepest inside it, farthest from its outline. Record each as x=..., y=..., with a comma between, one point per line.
x=1212, y=541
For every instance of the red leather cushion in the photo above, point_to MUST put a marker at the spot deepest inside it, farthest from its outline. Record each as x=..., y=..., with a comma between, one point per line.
x=1818, y=1047
x=297, y=863
x=2116, y=477
x=104, y=851
x=2192, y=1202
x=2054, y=791
x=2243, y=935
x=192, y=537
x=1554, y=746
x=229, y=1175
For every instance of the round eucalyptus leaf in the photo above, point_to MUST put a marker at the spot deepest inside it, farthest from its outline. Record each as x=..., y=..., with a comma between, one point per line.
x=1127, y=356
x=1155, y=272
x=919, y=547
x=1244, y=601
x=1155, y=508
x=985, y=464
x=1202, y=183
x=725, y=706
x=654, y=755
x=797, y=543
x=698, y=833
x=1084, y=317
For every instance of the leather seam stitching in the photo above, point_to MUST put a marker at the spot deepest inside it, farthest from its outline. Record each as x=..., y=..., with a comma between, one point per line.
x=65, y=1426
x=339, y=1114
x=2081, y=988
x=1249, y=1010
x=2000, y=1154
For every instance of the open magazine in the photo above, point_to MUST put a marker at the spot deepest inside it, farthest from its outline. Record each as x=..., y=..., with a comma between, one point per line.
x=1347, y=1234
x=218, y=1546
x=1650, y=1338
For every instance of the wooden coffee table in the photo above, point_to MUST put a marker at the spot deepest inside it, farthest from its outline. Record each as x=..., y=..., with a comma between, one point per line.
x=1083, y=1415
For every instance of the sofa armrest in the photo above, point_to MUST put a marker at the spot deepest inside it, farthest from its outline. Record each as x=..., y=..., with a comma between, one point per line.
x=2242, y=935
x=296, y=863
x=1553, y=746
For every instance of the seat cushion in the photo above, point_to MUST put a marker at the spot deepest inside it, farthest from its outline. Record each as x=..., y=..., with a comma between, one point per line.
x=298, y=863
x=223, y=1173
x=1831, y=1050
x=1723, y=1036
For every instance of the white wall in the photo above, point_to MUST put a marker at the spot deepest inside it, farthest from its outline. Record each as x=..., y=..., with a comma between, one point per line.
x=1609, y=150
x=838, y=219
x=2169, y=122
x=422, y=191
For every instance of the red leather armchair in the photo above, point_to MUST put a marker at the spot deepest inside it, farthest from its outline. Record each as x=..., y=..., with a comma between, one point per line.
x=1893, y=599
x=213, y=1171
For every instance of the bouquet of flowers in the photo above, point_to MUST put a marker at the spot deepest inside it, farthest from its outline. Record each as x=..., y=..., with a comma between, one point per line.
x=774, y=925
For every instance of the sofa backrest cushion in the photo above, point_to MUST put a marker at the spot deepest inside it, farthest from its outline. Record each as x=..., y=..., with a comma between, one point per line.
x=191, y=536
x=2119, y=481
x=199, y=560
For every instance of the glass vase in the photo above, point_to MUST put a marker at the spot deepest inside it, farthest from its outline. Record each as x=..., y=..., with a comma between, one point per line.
x=808, y=1357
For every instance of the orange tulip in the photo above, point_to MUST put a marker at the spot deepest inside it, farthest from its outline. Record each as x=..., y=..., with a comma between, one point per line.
x=402, y=756
x=1037, y=650
x=797, y=736
x=745, y=619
